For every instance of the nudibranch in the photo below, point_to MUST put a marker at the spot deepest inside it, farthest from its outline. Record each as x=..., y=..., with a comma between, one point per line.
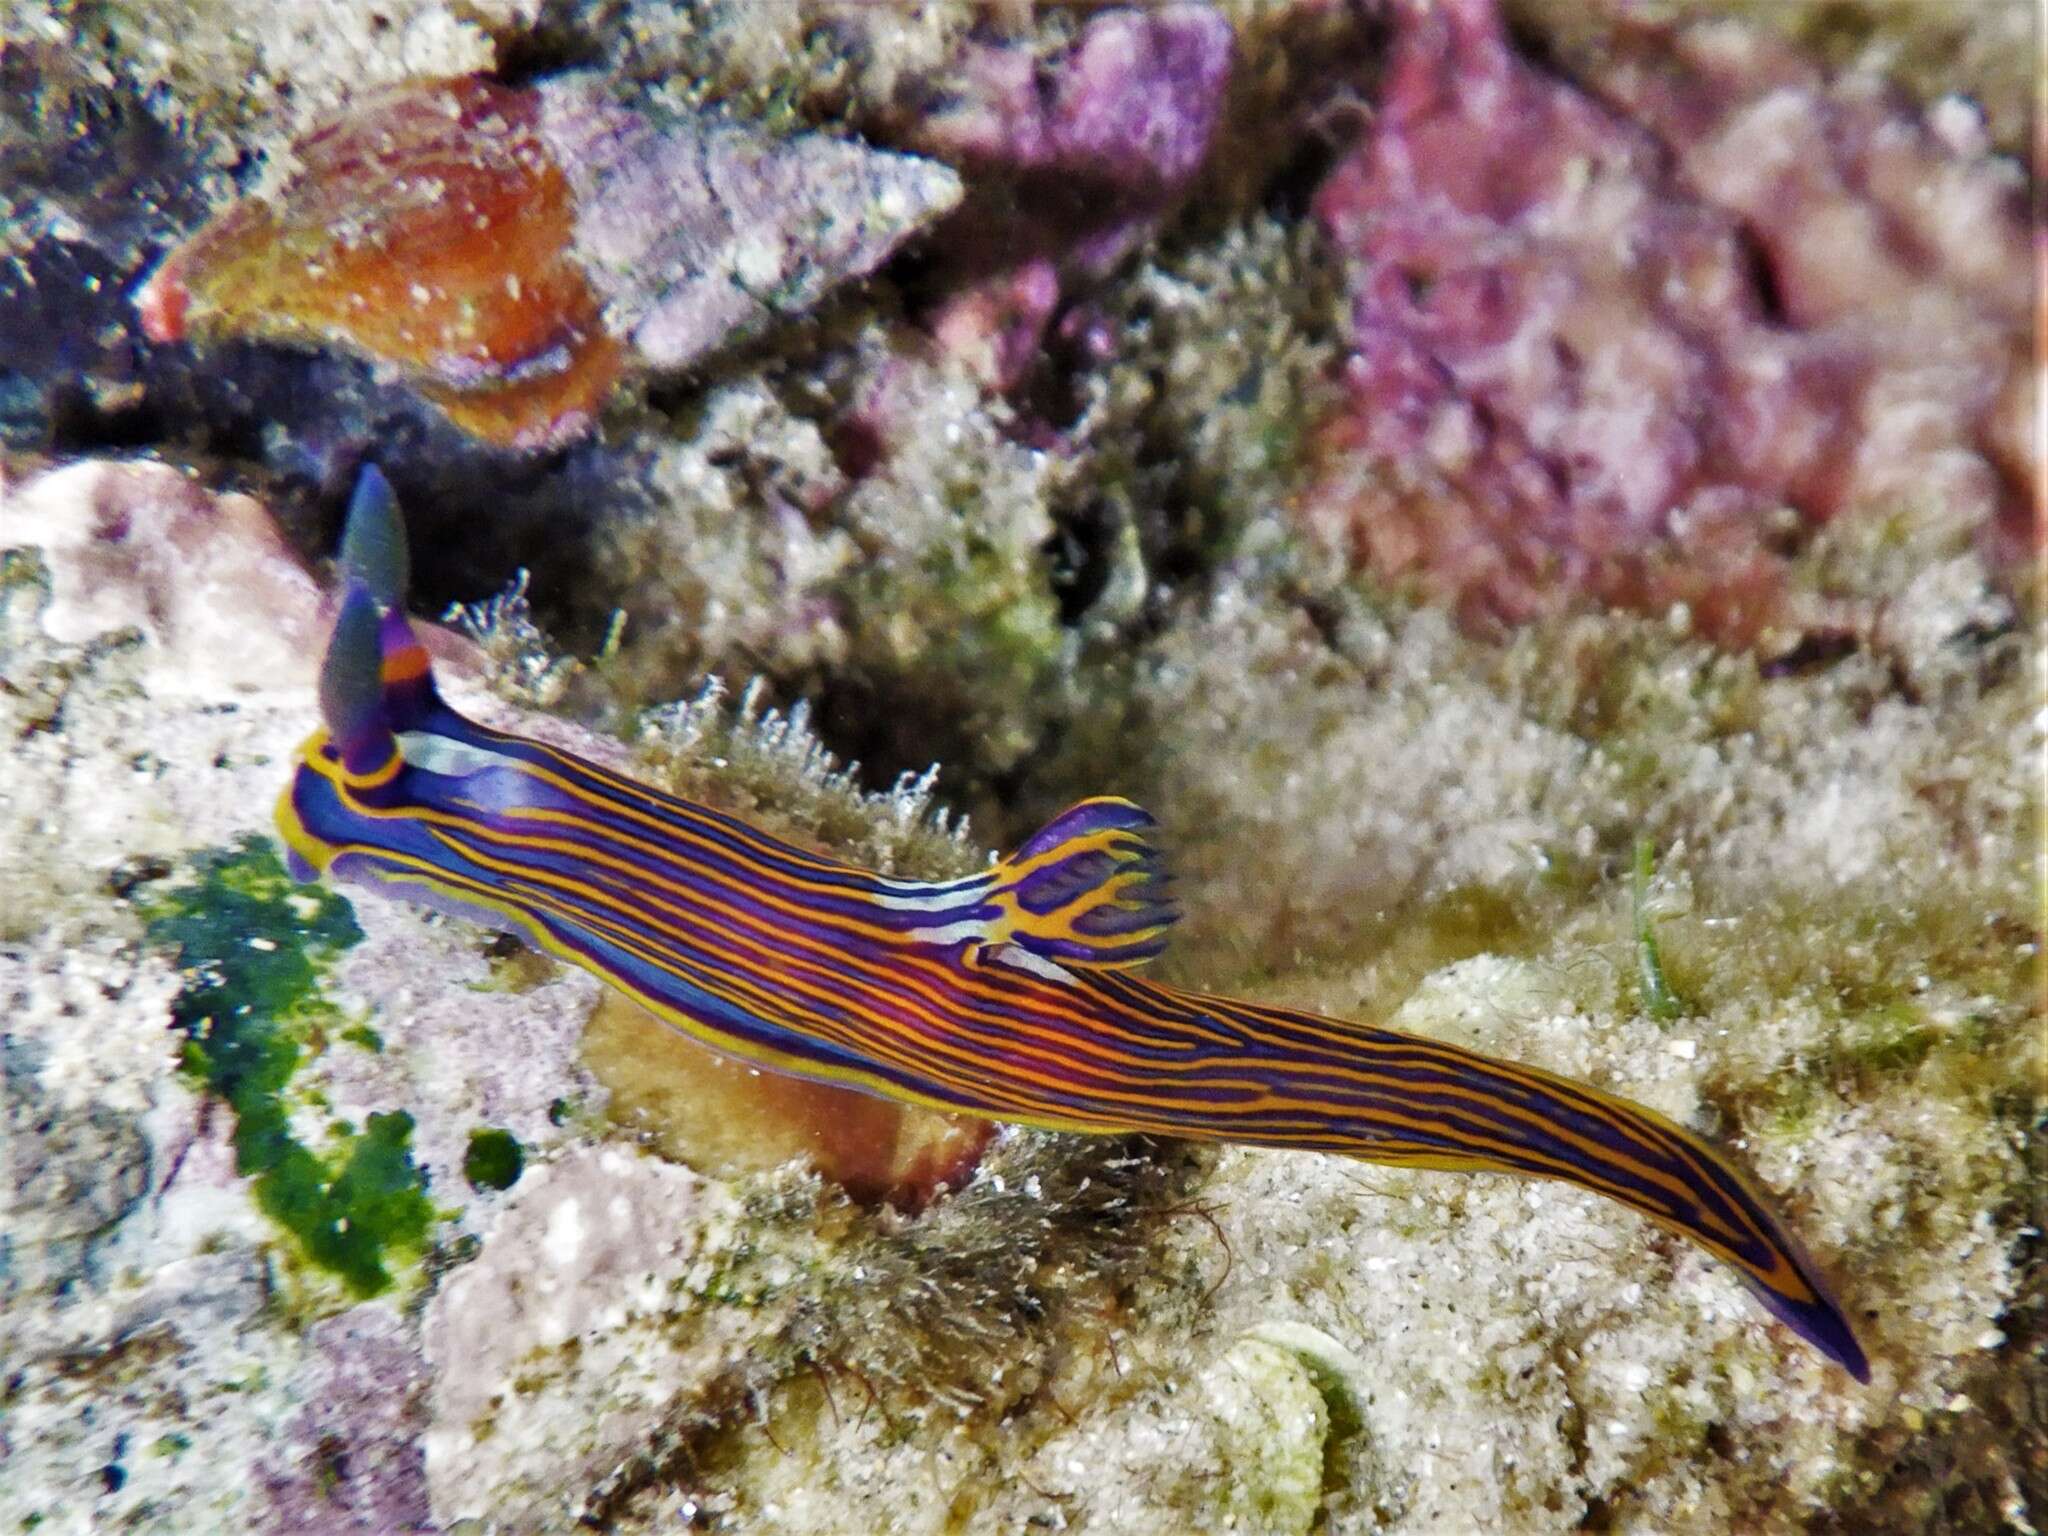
x=1013, y=994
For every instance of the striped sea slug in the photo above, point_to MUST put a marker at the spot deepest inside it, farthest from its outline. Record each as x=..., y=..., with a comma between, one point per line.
x=1016, y=994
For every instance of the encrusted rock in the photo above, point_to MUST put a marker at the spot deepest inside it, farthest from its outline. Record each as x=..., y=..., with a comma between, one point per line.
x=1622, y=340
x=222, y=601
x=350, y=1460
x=561, y=1349
x=67, y=1176
x=1073, y=162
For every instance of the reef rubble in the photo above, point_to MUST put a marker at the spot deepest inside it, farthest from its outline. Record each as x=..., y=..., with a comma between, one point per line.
x=1572, y=597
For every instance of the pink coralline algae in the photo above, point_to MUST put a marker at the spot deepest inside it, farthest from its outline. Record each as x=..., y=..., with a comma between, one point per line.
x=1632, y=344
x=351, y=1459
x=1072, y=163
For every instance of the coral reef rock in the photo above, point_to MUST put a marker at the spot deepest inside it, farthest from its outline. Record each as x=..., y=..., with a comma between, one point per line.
x=322, y=1213
x=559, y=1350
x=221, y=601
x=224, y=604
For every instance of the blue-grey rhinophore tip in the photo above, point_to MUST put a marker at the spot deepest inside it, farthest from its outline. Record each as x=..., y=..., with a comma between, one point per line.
x=373, y=541
x=351, y=687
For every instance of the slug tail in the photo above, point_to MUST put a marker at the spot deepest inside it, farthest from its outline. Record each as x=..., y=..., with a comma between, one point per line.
x=1410, y=1101
x=1816, y=1317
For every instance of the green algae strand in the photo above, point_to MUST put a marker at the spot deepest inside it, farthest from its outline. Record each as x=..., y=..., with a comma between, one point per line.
x=253, y=947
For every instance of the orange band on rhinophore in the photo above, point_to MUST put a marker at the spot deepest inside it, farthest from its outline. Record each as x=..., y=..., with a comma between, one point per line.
x=406, y=666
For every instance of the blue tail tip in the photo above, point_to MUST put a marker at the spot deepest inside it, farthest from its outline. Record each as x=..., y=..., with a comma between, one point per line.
x=1822, y=1324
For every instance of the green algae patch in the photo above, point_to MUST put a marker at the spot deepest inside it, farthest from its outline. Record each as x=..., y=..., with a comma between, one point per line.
x=494, y=1159
x=254, y=946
